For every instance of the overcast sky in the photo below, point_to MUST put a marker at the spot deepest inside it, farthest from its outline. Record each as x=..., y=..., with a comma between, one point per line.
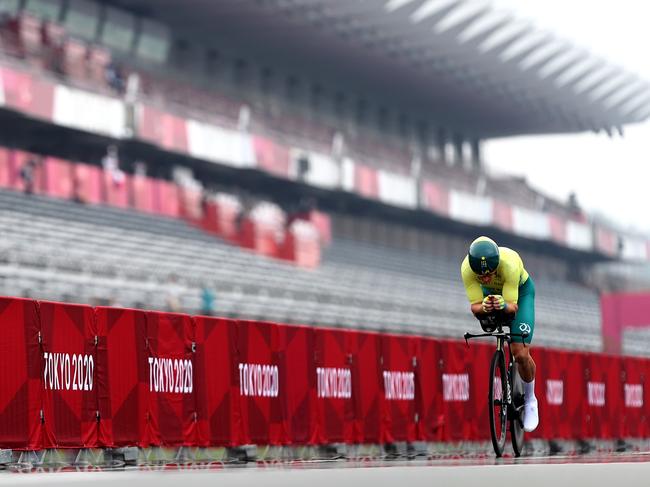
x=610, y=176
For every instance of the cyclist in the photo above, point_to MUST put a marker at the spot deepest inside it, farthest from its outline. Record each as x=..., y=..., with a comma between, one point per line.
x=496, y=282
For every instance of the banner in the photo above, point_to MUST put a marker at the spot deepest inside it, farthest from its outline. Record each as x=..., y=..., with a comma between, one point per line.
x=69, y=353
x=636, y=398
x=217, y=382
x=170, y=357
x=298, y=379
x=366, y=386
x=459, y=403
x=603, y=394
x=399, y=359
x=21, y=375
x=552, y=390
x=262, y=393
x=122, y=376
x=334, y=402
x=429, y=384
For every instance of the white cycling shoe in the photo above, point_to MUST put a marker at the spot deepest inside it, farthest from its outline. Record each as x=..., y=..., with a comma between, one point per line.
x=531, y=415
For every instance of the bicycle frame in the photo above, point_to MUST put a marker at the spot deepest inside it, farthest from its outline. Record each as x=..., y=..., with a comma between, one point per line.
x=513, y=407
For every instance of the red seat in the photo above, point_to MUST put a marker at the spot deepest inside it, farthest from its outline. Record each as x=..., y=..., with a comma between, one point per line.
x=98, y=60
x=74, y=59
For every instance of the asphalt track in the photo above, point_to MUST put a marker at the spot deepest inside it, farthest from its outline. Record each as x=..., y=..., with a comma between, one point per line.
x=626, y=471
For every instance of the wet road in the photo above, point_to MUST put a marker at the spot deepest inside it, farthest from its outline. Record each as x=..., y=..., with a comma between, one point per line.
x=624, y=470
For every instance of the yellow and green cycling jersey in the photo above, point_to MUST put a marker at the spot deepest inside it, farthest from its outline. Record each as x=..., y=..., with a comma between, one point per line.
x=509, y=276
x=511, y=280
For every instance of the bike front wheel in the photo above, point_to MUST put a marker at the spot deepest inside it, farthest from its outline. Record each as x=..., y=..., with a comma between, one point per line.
x=497, y=402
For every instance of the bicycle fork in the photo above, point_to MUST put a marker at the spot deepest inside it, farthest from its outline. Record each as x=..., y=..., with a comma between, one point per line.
x=508, y=398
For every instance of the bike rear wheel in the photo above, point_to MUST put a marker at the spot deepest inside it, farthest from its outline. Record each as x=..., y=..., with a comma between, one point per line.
x=516, y=426
x=498, y=408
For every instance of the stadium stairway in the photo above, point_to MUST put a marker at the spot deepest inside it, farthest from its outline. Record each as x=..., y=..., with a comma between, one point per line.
x=56, y=249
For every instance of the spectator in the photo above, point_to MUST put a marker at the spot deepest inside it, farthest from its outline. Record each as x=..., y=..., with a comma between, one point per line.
x=207, y=300
x=115, y=78
x=173, y=295
x=111, y=165
x=140, y=169
x=27, y=173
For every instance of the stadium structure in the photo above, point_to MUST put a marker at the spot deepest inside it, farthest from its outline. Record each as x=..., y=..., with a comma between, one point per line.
x=363, y=119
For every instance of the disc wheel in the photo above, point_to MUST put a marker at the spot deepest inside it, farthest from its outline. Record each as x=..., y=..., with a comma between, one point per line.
x=497, y=406
x=517, y=415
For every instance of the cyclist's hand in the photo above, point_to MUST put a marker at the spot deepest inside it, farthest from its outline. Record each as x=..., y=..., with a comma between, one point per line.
x=487, y=304
x=498, y=303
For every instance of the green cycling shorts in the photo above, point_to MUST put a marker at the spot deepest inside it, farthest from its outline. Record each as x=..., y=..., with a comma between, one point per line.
x=525, y=318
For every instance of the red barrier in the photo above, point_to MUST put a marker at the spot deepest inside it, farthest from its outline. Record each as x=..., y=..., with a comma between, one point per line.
x=166, y=130
x=166, y=198
x=21, y=375
x=298, y=378
x=57, y=178
x=399, y=359
x=603, y=397
x=5, y=168
x=262, y=395
x=88, y=183
x=190, y=204
x=272, y=157
x=170, y=382
x=636, y=398
x=217, y=382
x=334, y=403
x=429, y=384
x=142, y=193
x=117, y=377
x=116, y=189
x=366, y=386
x=458, y=403
x=24, y=93
x=69, y=391
x=122, y=376
x=552, y=390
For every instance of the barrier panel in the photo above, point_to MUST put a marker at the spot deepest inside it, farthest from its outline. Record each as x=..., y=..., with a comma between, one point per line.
x=142, y=193
x=5, y=168
x=165, y=198
x=70, y=411
x=459, y=401
x=552, y=390
x=399, y=360
x=366, y=386
x=217, y=382
x=262, y=395
x=271, y=156
x=429, y=384
x=334, y=404
x=21, y=375
x=604, y=397
x=298, y=380
x=121, y=376
x=634, y=417
x=116, y=189
x=171, y=411
x=88, y=183
x=57, y=178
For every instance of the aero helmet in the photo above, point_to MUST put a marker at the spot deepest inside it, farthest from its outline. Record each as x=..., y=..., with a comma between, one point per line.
x=483, y=255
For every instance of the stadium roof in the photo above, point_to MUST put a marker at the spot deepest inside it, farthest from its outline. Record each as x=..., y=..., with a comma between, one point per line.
x=478, y=69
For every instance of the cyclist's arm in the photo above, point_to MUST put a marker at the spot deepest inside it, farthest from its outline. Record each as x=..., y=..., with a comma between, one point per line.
x=473, y=290
x=510, y=294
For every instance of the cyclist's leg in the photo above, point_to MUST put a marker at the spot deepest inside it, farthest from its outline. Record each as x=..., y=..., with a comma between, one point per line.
x=525, y=322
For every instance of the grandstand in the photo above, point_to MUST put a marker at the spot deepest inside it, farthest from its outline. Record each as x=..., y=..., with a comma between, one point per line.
x=387, y=143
